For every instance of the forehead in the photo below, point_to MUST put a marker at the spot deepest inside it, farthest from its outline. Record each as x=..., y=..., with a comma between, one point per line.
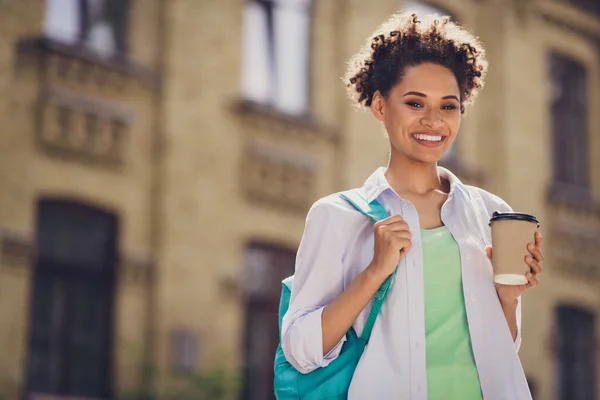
x=430, y=79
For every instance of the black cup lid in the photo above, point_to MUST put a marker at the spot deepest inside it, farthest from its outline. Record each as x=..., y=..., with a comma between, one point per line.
x=498, y=216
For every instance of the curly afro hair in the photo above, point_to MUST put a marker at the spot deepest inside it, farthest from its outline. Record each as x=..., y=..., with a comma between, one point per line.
x=405, y=40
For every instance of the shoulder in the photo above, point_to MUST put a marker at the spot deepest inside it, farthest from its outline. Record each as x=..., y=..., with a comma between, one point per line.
x=332, y=206
x=491, y=201
x=336, y=214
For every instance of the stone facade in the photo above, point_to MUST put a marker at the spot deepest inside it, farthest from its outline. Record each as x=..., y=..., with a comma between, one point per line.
x=210, y=189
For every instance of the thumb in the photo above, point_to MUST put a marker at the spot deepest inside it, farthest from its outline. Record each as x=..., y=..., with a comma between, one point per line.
x=488, y=251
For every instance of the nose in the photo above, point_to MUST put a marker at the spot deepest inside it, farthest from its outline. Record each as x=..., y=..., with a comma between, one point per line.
x=432, y=119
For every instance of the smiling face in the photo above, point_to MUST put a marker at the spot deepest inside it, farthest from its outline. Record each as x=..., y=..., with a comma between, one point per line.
x=421, y=113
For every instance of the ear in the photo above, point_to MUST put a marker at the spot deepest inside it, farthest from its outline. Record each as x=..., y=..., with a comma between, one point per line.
x=378, y=106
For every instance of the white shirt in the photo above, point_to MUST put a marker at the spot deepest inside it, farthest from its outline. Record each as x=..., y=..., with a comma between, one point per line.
x=337, y=245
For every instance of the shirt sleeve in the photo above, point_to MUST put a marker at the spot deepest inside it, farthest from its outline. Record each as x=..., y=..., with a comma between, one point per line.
x=318, y=280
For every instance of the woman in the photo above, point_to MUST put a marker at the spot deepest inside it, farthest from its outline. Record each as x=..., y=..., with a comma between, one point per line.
x=445, y=331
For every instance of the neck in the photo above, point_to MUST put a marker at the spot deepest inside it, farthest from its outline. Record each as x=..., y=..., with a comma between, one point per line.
x=406, y=175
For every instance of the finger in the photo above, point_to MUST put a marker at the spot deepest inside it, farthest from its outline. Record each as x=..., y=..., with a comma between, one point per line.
x=387, y=225
x=539, y=240
x=403, y=245
x=389, y=220
x=535, y=252
x=397, y=226
x=488, y=251
x=532, y=280
x=535, y=266
x=401, y=242
x=400, y=235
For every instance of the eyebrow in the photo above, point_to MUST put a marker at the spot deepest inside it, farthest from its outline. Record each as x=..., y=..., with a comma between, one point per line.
x=424, y=95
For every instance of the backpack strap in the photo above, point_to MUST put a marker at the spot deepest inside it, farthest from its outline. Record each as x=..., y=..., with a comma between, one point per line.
x=358, y=199
x=375, y=211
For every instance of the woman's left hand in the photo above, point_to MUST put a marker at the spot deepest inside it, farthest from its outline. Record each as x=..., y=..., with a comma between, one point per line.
x=508, y=294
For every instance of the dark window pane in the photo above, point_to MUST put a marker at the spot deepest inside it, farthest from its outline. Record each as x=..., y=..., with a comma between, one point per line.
x=88, y=338
x=569, y=110
x=71, y=235
x=587, y=5
x=266, y=266
x=117, y=14
x=48, y=316
x=70, y=343
x=576, y=353
x=104, y=22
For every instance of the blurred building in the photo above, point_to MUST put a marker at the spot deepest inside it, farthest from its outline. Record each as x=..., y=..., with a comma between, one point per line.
x=158, y=157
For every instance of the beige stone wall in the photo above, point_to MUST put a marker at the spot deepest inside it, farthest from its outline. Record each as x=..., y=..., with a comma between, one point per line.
x=30, y=171
x=210, y=137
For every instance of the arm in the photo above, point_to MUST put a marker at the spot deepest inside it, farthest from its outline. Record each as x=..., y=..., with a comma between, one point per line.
x=512, y=313
x=318, y=281
x=321, y=311
x=339, y=316
x=511, y=309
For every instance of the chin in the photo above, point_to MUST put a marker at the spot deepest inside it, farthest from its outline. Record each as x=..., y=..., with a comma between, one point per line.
x=427, y=158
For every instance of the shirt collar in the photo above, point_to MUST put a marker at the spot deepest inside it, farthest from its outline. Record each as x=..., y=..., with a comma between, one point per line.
x=377, y=182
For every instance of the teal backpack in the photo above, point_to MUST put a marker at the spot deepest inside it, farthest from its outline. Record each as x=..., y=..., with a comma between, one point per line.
x=331, y=382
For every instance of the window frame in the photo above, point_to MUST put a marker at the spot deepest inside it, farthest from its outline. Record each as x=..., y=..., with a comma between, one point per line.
x=271, y=99
x=281, y=263
x=70, y=277
x=119, y=26
x=568, y=335
x=570, y=158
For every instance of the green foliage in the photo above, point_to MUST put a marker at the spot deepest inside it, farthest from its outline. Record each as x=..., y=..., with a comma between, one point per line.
x=217, y=383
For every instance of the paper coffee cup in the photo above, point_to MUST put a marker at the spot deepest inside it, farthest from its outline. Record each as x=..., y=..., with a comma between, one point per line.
x=511, y=232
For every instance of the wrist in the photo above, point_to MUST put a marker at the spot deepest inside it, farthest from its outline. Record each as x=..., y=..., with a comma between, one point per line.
x=508, y=304
x=375, y=275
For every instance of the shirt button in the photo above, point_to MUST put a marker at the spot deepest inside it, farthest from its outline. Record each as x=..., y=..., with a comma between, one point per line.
x=473, y=298
x=454, y=226
x=468, y=256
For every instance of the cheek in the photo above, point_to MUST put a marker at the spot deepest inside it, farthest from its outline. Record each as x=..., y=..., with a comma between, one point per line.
x=394, y=121
x=453, y=122
x=402, y=119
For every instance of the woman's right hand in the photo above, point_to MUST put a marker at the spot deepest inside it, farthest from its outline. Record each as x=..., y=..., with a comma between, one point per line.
x=392, y=242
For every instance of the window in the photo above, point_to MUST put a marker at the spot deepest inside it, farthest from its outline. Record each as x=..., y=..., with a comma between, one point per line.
x=184, y=351
x=99, y=25
x=576, y=365
x=424, y=8
x=587, y=5
x=265, y=267
x=276, y=54
x=569, y=113
x=70, y=336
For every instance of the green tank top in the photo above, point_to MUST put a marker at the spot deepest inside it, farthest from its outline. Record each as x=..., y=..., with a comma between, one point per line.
x=451, y=370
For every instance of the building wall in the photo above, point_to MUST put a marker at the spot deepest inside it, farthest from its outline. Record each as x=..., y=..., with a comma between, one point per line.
x=38, y=76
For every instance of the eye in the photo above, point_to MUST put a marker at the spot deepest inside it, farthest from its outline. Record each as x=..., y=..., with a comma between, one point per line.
x=414, y=104
x=449, y=107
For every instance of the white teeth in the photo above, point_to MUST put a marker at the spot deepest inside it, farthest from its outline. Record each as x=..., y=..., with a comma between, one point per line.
x=430, y=138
